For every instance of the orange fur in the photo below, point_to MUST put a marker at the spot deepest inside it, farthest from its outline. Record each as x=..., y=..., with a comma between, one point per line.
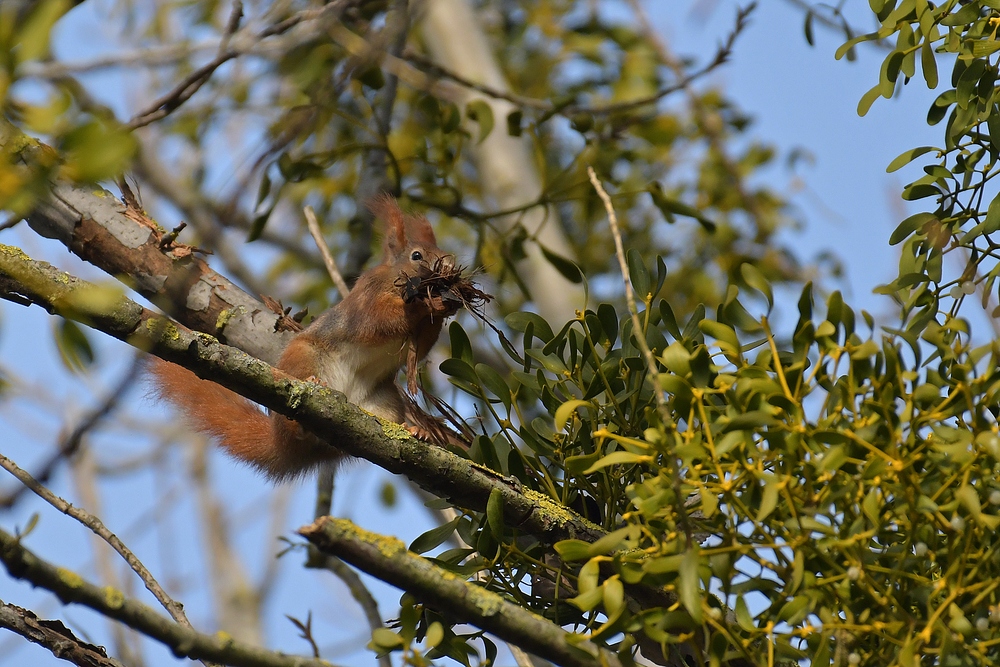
x=243, y=431
x=357, y=347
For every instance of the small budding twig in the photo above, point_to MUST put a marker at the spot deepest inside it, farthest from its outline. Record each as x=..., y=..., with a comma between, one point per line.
x=640, y=339
x=328, y=261
x=174, y=608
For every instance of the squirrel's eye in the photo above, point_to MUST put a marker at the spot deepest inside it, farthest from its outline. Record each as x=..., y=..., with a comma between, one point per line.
x=416, y=256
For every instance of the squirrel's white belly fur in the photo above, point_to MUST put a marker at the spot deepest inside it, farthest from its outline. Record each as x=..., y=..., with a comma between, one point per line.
x=363, y=375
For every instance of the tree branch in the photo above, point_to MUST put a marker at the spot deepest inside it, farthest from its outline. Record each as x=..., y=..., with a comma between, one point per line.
x=174, y=608
x=388, y=559
x=183, y=642
x=319, y=409
x=55, y=637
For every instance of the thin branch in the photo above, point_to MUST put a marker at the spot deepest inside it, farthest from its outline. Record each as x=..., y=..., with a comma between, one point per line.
x=324, y=250
x=174, y=608
x=721, y=56
x=640, y=339
x=318, y=560
x=355, y=586
x=55, y=637
x=318, y=409
x=232, y=25
x=374, y=178
x=182, y=92
x=388, y=559
x=21, y=563
x=127, y=642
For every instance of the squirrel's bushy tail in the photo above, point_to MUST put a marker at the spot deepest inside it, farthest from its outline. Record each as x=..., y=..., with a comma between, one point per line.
x=241, y=428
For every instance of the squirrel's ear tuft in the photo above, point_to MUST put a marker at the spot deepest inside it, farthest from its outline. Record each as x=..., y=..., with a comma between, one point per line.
x=401, y=230
x=419, y=232
x=386, y=210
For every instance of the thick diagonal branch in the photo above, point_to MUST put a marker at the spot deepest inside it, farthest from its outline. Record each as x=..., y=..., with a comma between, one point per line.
x=388, y=559
x=321, y=410
x=55, y=637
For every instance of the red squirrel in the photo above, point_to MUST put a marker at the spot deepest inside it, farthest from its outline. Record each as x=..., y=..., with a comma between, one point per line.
x=357, y=347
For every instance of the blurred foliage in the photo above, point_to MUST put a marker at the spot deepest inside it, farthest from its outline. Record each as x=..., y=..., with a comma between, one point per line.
x=312, y=105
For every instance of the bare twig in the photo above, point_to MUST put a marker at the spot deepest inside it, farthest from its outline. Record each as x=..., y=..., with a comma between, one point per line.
x=319, y=560
x=175, y=609
x=182, y=641
x=55, y=637
x=182, y=92
x=640, y=339
x=126, y=641
x=721, y=56
x=232, y=25
x=374, y=166
x=328, y=261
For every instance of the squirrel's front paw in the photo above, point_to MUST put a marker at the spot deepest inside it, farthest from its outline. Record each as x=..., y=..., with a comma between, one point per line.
x=317, y=380
x=419, y=432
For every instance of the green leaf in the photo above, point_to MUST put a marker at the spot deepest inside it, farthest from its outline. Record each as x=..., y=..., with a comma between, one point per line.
x=258, y=224
x=566, y=267
x=969, y=499
x=769, y=500
x=849, y=45
x=688, y=587
x=435, y=634
x=520, y=320
x=494, y=513
x=495, y=383
x=928, y=65
x=480, y=112
x=906, y=157
x=724, y=335
x=461, y=370
x=73, y=345
x=992, y=222
x=434, y=537
x=756, y=280
x=385, y=639
x=639, y=274
x=920, y=191
x=514, y=119
x=614, y=596
x=97, y=150
x=618, y=458
x=461, y=346
x=871, y=508
x=868, y=99
x=564, y=411
x=33, y=37
x=588, y=601
x=908, y=226
x=572, y=550
x=963, y=16
x=743, y=616
x=669, y=207
x=677, y=359
x=612, y=541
